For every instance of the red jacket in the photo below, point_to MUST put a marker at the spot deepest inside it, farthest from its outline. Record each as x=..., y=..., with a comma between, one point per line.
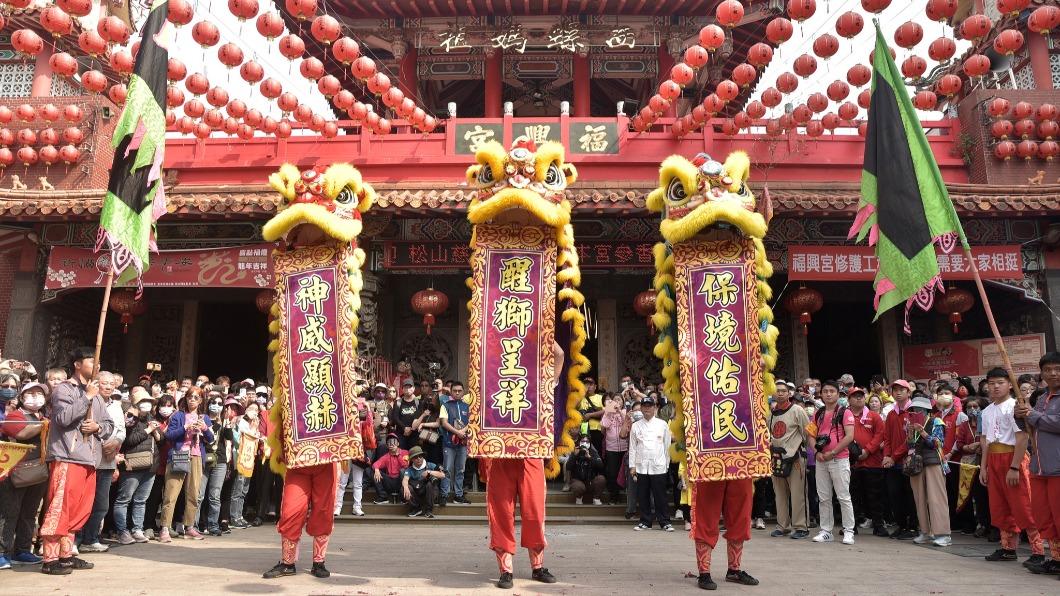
x=965, y=435
x=894, y=435
x=950, y=420
x=868, y=433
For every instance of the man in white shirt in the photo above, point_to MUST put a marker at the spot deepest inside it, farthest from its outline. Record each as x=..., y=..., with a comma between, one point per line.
x=649, y=462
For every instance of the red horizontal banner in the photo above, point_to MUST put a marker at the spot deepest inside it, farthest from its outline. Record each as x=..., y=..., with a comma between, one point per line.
x=233, y=267
x=973, y=357
x=619, y=254
x=858, y=263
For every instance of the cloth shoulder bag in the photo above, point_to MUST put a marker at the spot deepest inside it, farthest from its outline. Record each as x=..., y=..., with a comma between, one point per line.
x=29, y=472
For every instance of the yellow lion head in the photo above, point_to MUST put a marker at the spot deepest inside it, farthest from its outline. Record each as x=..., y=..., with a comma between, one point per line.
x=329, y=199
x=698, y=194
x=526, y=177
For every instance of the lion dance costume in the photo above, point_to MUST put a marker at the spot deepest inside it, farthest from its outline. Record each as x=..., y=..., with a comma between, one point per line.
x=716, y=342
x=314, y=422
x=523, y=248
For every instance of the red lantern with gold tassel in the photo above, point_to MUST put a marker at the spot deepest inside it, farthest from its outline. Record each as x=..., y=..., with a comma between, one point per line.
x=954, y=302
x=644, y=305
x=804, y=302
x=430, y=303
x=264, y=300
x=124, y=303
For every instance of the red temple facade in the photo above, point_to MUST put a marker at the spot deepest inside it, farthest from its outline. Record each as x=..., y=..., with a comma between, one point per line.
x=571, y=71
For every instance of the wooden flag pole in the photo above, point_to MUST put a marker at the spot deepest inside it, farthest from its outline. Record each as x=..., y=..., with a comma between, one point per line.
x=993, y=326
x=99, y=332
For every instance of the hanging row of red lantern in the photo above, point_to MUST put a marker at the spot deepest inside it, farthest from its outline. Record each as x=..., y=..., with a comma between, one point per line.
x=1024, y=122
x=47, y=137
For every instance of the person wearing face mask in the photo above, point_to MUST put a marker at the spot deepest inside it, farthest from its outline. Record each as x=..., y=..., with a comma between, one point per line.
x=218, y=454
x=381, y=405
x=895, y=448
x=949, y=413
x=22, y=493
x=106, y=468
x=8, y=392
x=966, y=450
x=247, y=428
x=162, y=413
x=140, y=451
x=188, y=432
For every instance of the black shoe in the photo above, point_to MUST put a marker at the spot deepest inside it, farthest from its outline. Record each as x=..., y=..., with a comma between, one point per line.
x=76, y=563
x=968, y=531
x=415, y=513
x=799, y=534
x=241, y=524
x=705, y=583
x=281, y=569
x=542, y=575
x=1002, y=554
x=1034, y=560
x=778, y=533
x=462, y=499
x=256, y=522
x=319, y=570
x=505, y=582
x=380, y=501
x=428, y=514
x=906, y=535
x=216, y=532
x=980, y=532
x=629, y=515
x=737, y=576
x=1046, y=568
x=881, y=532
x=55, y=568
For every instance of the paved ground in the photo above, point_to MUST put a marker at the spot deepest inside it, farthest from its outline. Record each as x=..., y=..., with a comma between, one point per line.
x=417, y=557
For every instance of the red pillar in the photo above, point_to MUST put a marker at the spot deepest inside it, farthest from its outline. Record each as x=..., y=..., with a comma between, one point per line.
x=666, y=62
x=582, y=74
x=1038, y=50
x=494, y=95
x=42, y=76
x=408, y=80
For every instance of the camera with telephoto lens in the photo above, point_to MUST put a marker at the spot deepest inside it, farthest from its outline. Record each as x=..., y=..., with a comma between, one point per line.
x=821, y=443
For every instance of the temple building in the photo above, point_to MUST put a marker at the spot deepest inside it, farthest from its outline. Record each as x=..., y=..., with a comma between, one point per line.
x=576, y=72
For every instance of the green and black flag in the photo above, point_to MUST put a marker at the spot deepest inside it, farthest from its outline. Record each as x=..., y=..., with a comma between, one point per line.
x=135, y=198
x=905, y=209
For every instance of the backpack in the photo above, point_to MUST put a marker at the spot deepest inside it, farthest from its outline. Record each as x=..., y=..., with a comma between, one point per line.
x=854, y=450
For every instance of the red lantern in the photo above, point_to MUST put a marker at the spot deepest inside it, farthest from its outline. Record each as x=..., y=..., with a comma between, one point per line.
x=713, y=104
x=26, y=112
x=7, y=137
x=1044, y=19
x=1012, y=7
x=123, y=62
x=800, y=10
x=805, y=65
x=760, y=54
x=73, y=135
x=1005, y=150
x=303, y=113
x=773, y=128
x=755, y=110
x=865, y=99
x=830, y=121
x=428, y=124
x=779, y=30
x=848, y=111
x=949, y=85
x=1001, y=129
x=343, y=100
x=123, y=302
x=998, y=107
x=291, y=46
x=913, y=67
x=180, y=12
x=301, y=9
x=231, y=126
x=378, y=83
x=1048, y=129
x=814, y=128
x=325, y=29
x=711, y=37
x=91, y=43
x=730, y=128
x=269, y=125
x=56, y=21
x=243, y=9
x=1047, y=111
x=114, y=30
x=48, y=136
x=787, y=122
x=330, y=130
x=771, y=97
x=744, y=74
x=391, y=99
x=287, y=102
x=825, y=46
x=925, y=100
x=1048, y=150
x=976, y=26
x=363, y=68
x=205, y=34
x=27, y=155
x=93, y=81
x=251, y=71
x=345, y=50
x=264, y=300
x=804, y=302
x=1008, y=42
x=311, y=68
x=48, y=155
x=729, y=13
x=942, y=49
x=329, y=85
x=658, y=104
x=817, y=102
x=197, y=84
x=941, y=10
x=1028, y=150
x=194, y=109
x=174, y=96
x=680, y=128
x=849, y=24
x=186, y=125
x=954, y=302
x=976, y=65
x=859, y=75
x=696, y=56
x=742, y=120
x=1022, y=110
x=217, y=97
x=26, y=136
x=644, y=306
x=430, y=303
x=682, y=74
x=69, y=154
x=271, y=88
x=727, y=90
x=908, y=34
x=787, y=82
x=118, y=93
x=175, y=70
x=27, y=42
x=802, y=114
x=77, y=8
x=6, y=157
x=6, y=115
x=283, y=129
x=1025, y=128
x=269, y=25
x=254, y=118
x=230, y=55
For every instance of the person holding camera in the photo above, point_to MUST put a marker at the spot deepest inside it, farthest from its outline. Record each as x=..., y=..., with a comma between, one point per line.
x=419, y=484
x=615, y=445
x=592, y=410
x=835, y=433
x=787, y=423
x=586, y=472
x=649, y=462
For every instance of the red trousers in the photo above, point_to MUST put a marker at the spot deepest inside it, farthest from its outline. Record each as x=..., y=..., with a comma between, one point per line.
x=1010, y=506
x=308, y=500
x=507, y=480
x=711, y=500
x=1045, y=506
x=71, y=490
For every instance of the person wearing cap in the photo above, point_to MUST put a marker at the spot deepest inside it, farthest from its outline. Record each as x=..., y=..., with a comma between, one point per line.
x=926, y=435
x=649, y=463
x=453, y=417
x=835, y=433
x=867, y=476
x=387, y=469
x=895, y=448
x=79, y=424
x=419, y=483
x=1044, y=418
x=140, y=451
x=950, y=414
x=381, y=404
x=787, y=423
x=846, y=383
x=1005, y=471
x=19, y=504
x=404, y=413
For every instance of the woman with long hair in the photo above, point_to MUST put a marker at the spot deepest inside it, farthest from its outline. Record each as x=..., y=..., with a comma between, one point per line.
x=19, y=504
x=246, y=429
x=188, y=433
x=167, y=404
x=140, y=450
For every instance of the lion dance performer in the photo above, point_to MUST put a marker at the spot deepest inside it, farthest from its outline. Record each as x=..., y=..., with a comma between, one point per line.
x=314, y=422
x=522, y=236
x=716, y=342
